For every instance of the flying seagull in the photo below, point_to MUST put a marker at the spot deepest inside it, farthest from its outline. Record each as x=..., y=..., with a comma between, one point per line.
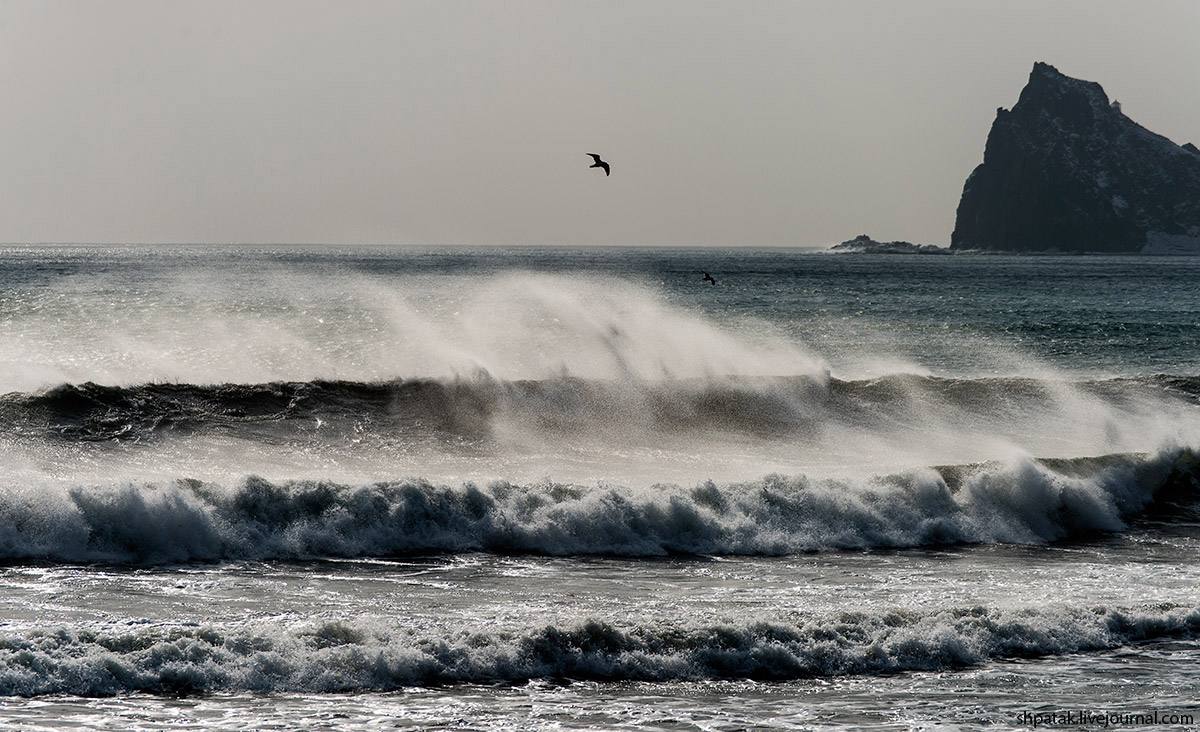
x=709, y=278
x=599, y=163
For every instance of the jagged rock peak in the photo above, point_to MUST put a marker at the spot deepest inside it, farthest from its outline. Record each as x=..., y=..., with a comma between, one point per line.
x=1047, y=82
x=1067, y=170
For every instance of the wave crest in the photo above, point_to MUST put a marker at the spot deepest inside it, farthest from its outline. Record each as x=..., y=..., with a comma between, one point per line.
x=1024, y=501
x=777, y=406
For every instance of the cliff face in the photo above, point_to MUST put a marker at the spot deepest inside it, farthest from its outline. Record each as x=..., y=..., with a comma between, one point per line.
x=1065, y=169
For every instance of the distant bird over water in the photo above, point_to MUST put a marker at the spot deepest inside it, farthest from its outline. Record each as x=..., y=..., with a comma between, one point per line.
x=599, y=163
x=709, y=278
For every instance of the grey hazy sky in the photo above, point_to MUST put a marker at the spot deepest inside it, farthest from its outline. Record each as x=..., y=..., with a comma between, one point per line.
x=444, y=122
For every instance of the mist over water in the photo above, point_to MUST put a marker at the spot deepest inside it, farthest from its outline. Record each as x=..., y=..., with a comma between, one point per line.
x=302, y=471
x=200, y=328
x=536, y=374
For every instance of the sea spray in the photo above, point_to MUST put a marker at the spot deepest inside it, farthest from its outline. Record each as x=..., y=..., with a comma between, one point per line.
x=763, y=406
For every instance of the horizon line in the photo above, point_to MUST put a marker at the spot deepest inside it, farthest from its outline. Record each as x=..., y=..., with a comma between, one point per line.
x=408, y=245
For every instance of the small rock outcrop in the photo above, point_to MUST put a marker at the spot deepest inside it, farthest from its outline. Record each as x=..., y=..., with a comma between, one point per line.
x=1066, y=170
x=863, y=244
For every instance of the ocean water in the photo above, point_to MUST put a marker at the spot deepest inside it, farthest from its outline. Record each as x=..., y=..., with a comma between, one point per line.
x=560, y=488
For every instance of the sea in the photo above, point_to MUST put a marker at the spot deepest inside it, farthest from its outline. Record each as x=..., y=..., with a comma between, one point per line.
x=556, y=488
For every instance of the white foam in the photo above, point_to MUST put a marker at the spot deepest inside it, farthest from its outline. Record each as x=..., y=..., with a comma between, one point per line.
x=363, y=656
x=1023, y=501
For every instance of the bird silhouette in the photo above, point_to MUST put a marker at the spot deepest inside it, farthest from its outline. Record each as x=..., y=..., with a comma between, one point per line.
x=709, y=278
x=599, y=163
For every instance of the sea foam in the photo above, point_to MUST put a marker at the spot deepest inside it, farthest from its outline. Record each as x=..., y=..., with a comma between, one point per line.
x=352, y=656
x=1020, y=501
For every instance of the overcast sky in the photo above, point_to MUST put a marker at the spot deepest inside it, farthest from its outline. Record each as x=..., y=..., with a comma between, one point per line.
x=442, y=122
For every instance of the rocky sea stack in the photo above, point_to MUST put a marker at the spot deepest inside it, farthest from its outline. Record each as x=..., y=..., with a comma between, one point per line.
x=1066, y=170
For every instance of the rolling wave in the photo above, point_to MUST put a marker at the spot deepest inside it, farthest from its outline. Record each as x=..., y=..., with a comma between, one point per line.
x=1022, y=501
x=470, y=407
x=367, y=656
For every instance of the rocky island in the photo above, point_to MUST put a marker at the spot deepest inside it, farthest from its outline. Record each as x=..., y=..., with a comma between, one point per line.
x=1066, y=170
x=863, y=244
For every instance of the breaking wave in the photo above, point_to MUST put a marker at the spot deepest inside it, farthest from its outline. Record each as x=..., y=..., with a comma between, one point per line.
x=365, y=656
x=1021, y=501
x=774, y=406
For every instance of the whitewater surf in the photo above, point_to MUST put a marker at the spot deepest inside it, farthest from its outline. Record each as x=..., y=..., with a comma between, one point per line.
x=247, y=479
